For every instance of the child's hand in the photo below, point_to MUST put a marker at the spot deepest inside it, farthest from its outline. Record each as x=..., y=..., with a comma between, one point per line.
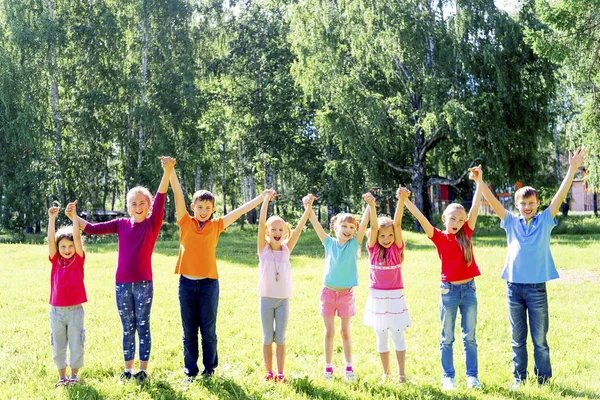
x=476, y=173
x=167, y=163
x=53, y=211
x=402, y=193
x=576, y=159
x=268, y=194
x=71, y=210
x=369, y=199
x=308, y=200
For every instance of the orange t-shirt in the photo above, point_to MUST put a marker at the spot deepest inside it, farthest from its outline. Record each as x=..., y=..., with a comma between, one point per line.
x=198, y=247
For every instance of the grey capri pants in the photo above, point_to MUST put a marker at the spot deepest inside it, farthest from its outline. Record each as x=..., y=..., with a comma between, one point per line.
x=274, y=314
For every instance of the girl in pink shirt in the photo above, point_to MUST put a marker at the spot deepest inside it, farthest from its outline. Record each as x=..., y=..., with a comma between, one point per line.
x=275, y=243
x=386, y=309
x=67, y=294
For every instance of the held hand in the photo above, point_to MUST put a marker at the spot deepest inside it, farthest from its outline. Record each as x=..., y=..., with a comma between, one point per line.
x=308, y=200
x=268, y=194
x=53, y=211
x=167, y=163
x=71, y=210
x=576, y=159
x=402, y=193
x=369, y=199
x=476, y=173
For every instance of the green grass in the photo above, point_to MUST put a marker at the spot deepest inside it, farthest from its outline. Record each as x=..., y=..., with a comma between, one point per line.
x=27, y=370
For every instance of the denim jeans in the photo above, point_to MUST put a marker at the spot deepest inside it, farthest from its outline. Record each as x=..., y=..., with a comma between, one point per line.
x=454, y=298
x=198, y=302
x=134, y=302
x=529, y=299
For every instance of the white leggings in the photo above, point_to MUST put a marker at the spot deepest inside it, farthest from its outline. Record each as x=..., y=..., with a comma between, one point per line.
x=383, y=345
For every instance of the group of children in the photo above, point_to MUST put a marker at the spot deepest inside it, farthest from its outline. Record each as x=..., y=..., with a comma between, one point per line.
x=528, y=266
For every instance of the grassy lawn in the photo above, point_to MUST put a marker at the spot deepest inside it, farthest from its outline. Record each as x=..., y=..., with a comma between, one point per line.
x=27, y=370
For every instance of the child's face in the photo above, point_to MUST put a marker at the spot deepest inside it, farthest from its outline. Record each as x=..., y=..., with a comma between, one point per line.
x=138, y=207
x=345, y=231
x=528, y=206
x=66, y=248
x=385, y=236
x=203, y=210
x=454, y=220
x=276, y=232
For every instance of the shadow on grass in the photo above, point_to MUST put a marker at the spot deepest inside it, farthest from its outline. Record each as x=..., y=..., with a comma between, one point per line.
x=226, y=389
x=305, y=385
x=84, y=391
x=575, y=393
x=563, y=391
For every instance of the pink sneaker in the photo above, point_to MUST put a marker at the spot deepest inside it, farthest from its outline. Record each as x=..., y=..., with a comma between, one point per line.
x=269, y=376
x=280, y=378
x=328, y=374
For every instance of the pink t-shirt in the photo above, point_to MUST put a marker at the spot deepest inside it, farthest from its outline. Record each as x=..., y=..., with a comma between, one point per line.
x=66, y=281
x=275, y=273
x=136, y=242
x=386, y=274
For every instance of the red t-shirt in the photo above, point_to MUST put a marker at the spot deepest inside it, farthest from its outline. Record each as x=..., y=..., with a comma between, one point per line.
x=66, y=281
x=454, y=266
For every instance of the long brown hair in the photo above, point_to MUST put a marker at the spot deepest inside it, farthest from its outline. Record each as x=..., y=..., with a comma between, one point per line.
x=461, y=236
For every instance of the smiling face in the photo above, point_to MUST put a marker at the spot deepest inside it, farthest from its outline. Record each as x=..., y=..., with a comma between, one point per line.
x=527, y=206
x=138, y=206
x=276, y=232
x=454, y=218
x=385, y=236
x=203, y=210
x=66, y=248
x=344, y=231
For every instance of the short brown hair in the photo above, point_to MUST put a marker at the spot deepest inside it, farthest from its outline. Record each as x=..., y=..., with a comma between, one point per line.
x=203, y=195
x=525, y=192
x=66, y=232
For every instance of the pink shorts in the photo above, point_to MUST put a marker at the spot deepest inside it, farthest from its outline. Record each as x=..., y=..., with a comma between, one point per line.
x=341, y=301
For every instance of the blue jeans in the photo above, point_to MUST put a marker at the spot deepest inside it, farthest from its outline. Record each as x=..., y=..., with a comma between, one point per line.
x=453, y=298
x=524, y=299
x=134, y=302
x=198, y=302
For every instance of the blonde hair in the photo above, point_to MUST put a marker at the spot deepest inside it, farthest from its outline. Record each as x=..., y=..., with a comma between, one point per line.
x=339, y=218
x=135, y=191
x=461, y=236
x=274, y=218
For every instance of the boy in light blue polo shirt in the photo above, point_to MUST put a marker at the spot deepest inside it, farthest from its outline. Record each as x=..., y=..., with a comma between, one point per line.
x=528, y=266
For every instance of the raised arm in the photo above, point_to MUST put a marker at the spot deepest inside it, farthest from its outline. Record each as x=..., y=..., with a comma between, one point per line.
x=575, y=161
x=52, y=213
x=370, y=199
x=425, y=224
x=167, y=164
x=362, y=227
x=262, y=222
x=476, y=175
x=313, y=217
x=491, y=199
x=243, y=209
x=401, y=195
x=71, y=212
x=291, y=243
x=180, y=209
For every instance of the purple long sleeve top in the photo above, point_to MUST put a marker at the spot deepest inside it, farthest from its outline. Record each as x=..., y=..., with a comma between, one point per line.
x=136, y=242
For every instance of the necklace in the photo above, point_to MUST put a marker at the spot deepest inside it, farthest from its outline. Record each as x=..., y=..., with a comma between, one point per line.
x=276, y=262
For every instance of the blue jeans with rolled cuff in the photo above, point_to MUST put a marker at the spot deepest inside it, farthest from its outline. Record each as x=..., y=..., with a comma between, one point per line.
x=456, y=298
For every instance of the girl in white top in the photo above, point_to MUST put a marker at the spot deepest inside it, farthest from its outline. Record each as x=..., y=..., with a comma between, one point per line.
x=275, y=243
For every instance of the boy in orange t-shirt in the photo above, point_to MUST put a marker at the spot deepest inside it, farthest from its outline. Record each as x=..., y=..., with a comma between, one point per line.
x=197, y=265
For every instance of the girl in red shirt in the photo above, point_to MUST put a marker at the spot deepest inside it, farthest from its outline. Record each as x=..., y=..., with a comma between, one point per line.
x=457, y=288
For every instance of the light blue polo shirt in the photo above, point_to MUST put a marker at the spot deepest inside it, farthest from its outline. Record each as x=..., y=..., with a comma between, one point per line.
x=529, y=259
x=341, y=270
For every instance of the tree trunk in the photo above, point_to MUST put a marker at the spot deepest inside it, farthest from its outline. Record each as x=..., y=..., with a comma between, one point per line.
x=52, y=68
x=144, y=82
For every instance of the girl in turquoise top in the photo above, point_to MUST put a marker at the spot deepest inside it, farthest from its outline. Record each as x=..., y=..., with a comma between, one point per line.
x=341, y=275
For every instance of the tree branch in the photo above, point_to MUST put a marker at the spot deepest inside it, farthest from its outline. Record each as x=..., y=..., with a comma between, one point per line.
x=440, y=180
x=430, y=143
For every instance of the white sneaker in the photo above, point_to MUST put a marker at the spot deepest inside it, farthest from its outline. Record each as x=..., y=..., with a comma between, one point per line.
x=517, y=385
x=349, y=374
x=473, y=382
x=328, y=374
x=448, y=384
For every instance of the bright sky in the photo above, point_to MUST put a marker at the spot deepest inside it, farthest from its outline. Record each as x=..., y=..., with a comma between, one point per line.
x=510, y=6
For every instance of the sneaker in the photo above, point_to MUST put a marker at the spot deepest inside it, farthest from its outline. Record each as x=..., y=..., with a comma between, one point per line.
x=269, y=376
x=125, y=376
x=349, y=374
x=61, y=382
x=328, y=374
x=189, y=379
x=74, y=380
x=473, y=382
x=517, y=385
x=207, y=373
x=280, y=378
x=448, y=383
x=141, y=377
